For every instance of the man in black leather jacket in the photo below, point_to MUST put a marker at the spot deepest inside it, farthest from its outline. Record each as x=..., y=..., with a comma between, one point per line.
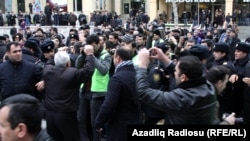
x=194, y=99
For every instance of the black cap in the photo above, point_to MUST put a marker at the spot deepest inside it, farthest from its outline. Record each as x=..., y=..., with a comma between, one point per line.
x=157, y=32
x=59, y=38
x=244, y=47
x=74, y=36
x=2, y=38
x=199, y=51
x=163, y=46
x=221, y=47
x=47, y=46
x=6, y=35
x=35, y=40
x=30, y=44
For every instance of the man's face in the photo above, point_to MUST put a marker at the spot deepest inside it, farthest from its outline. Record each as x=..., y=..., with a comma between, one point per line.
x=218, y=55
x=188, y=45
x=112, y=39
x=139, y=40
x=15, y=53
x=73, y=41
x=239, y=54
x=156, y=37
x=116, y=59
x=56, y=42
x=49, y=54
x=223, y=84
x=96, y=47
x=177, y=74
x=6, y=133
x=81, y=34
x=101, y=41
x=232, y=34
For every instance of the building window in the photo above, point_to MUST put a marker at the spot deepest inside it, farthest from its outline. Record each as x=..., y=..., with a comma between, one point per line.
x=77, y=6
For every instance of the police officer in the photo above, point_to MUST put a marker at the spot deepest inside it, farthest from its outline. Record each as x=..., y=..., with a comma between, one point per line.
x=47, y=48
x=220, y=54
x=238, y=72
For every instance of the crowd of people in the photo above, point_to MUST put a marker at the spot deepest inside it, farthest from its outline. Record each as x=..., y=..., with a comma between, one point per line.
x=91, y=85
x=58, y=17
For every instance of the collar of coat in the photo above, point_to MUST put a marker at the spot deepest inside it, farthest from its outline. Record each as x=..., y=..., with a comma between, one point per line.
x=192, y=83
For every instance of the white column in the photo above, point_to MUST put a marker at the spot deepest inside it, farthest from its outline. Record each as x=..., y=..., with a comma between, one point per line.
x=70, y=6
x=88, y=6
x=229, y=6
x=107, y=5
x=118, y=6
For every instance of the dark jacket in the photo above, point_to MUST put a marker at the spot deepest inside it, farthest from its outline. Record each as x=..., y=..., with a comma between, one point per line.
x=236, y=89
x=82, y=19
x=27, y=55
x=120, y=106
x=246, y=97
x=1, y=20
x=193, y=102
x=2, y=51
x=47, y=10
x=18, y=78
x=62, y=85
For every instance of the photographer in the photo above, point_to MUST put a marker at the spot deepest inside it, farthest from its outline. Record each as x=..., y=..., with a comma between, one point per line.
x=161, y=79
x=193, y=102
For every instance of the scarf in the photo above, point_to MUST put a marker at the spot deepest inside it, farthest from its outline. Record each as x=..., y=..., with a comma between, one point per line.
x=123, y=63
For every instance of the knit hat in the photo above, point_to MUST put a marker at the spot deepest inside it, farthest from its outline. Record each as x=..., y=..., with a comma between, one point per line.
x=127, y=38
x=31, y=44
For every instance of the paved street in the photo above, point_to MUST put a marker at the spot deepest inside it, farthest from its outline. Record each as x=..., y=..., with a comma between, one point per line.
x=244, y=32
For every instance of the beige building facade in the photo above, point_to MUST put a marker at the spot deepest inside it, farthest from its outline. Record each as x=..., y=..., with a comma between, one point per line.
x=122, y=7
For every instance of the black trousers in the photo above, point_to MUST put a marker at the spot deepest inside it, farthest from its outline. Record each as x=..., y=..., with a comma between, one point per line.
x=62, y=126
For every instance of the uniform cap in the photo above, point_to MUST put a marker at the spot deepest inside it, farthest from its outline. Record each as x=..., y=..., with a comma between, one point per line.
x=74, y=36
x=47, y=46
x=244, y=47
x=199, y=51
x=221, y=47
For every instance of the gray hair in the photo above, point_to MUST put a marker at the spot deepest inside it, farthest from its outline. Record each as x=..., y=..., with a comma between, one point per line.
x=61, y=58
